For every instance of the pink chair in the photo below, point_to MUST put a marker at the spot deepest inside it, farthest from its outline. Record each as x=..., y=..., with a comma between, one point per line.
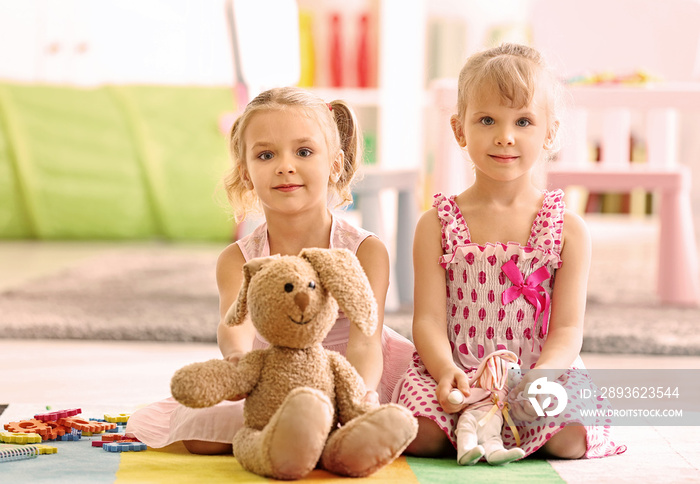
x=621, y=37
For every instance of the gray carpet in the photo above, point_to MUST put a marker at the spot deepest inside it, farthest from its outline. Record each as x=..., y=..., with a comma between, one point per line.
x=151, y=293
x=624, y=315
x=167, y=293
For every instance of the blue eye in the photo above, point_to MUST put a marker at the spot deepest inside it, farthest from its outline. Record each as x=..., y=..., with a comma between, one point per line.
x=487, y=121
x=304, y=152
x=523, y=123
x=265, y=156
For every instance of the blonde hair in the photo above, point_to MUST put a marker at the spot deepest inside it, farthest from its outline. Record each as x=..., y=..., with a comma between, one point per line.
x=515, y=71
x=341, y=129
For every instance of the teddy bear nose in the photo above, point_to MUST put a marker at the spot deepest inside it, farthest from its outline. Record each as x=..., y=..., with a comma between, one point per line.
x=302, y=300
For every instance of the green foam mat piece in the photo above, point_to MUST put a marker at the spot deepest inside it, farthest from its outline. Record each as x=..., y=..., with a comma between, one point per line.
x=447, y=471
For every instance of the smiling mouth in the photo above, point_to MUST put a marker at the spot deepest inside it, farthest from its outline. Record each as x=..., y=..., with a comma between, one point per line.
x=287, y=188
x=504, y=158
x=301, y=322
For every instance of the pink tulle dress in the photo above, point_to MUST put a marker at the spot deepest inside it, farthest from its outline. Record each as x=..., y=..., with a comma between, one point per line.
x=485, y=315
x=164, y=422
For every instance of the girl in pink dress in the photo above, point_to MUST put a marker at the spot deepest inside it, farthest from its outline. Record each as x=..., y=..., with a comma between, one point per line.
x=292, y=153
x=488, y=258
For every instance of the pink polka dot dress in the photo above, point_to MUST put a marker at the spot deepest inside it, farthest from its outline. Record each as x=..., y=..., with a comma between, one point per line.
x=498, y=297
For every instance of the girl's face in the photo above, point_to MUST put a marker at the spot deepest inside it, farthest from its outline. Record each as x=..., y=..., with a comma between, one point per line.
x=504, y=142
x=287, y=160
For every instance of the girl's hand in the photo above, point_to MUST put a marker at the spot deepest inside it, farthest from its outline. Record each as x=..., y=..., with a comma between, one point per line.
x=450, y=379
x=234, y=357
x=371, y=398
x=519, y=397
x=522, y=410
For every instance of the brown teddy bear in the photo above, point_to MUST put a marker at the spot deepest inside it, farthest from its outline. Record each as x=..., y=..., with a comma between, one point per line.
x=304, y=404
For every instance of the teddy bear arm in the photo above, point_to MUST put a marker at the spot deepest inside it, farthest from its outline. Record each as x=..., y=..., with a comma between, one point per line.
x=249, y=371
x=205, y=384
x=202, y=384
x=349, y=389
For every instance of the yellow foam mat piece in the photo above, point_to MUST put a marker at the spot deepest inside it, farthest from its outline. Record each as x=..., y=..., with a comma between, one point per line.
x=175, y=465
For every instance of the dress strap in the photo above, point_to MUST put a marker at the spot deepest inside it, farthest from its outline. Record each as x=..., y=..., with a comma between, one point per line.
x=454, y=228
x=343, y=234
x=549, y=224
x=255, y=244
x=346, y=235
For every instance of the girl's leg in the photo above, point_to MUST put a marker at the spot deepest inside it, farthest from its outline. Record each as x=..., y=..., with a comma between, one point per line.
x=431, y=441
x=569, y=443
x=202, y=447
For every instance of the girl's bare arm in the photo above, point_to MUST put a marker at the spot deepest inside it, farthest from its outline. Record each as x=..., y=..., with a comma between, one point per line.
x=234, y=341
x=565, y=333
x=430, y=313
x=365, y=352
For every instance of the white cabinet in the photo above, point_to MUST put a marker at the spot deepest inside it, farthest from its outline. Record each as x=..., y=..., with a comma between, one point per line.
x=87, y=42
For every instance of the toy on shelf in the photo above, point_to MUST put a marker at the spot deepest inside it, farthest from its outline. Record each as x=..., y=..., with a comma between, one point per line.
x=297, y=391
x=605, y=78
x=336, y=52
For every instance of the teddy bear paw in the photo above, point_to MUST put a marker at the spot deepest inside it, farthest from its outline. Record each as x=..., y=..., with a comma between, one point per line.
x=369, y=442
x=297, y=433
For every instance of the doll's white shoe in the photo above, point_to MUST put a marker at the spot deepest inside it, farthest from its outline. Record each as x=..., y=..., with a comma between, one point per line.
x=471, y=457
x=503, y=456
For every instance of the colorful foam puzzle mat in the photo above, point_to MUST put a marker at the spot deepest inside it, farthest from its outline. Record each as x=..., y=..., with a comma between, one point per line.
x=79, y=461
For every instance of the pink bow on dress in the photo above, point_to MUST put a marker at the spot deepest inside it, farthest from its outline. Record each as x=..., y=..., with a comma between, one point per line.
x=531, y=289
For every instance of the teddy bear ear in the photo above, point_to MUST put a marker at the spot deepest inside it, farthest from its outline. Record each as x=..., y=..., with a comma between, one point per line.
x=236, y=313
x=342, y=275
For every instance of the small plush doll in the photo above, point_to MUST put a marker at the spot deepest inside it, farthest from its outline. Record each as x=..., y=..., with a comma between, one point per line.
x=304, y=404
x=479, y=426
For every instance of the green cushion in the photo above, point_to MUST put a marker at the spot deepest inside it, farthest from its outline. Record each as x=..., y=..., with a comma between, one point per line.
x=14, y=221
x=123, y=162
x=184, y=156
